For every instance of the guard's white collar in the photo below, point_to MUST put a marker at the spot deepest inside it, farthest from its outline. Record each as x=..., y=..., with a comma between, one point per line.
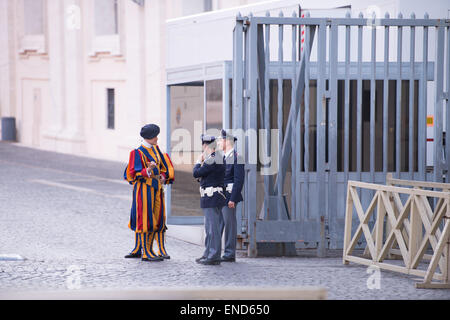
x=146, y=144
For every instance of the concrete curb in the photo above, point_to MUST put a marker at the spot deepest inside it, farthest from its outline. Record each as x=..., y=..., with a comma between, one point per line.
x=192, y=293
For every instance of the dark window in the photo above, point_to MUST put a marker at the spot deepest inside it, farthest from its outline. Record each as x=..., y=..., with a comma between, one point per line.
x=110, y=108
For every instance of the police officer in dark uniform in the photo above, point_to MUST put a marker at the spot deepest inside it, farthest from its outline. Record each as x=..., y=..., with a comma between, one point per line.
x=209, y=170
x=233, y=183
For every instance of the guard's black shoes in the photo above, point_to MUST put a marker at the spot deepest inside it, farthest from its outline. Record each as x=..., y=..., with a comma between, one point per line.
x=210, y=262
x=200, y=259
x=164, y=256
x=228, y=259
x=152, y=259
x=133, y=255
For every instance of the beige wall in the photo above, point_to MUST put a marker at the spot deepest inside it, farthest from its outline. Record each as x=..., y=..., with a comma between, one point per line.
x=54, y=83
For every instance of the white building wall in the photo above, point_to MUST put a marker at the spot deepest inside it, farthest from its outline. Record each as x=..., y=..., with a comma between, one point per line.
x=55, y=83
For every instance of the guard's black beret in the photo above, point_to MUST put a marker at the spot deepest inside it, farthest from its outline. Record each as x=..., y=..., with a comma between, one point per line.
x=226, y=135
x=149, y=131
x=207, y=139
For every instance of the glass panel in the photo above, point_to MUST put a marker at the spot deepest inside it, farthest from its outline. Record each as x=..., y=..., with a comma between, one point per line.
x=352, y=126
x=33, y=16
x=392, y=100
x=105, y=17
x=186, y=122
x=365, y=134
x=379, y=125
x=404, y=162
x=312, y=143
x=340, y=124
x=214, y=98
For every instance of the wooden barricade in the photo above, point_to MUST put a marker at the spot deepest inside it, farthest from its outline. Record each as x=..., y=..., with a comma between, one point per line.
x=407, y=229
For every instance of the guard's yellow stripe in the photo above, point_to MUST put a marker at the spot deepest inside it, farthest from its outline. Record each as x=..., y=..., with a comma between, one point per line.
x=138, y=244
x=138, y=188
x=144, y=208
x=156, y=205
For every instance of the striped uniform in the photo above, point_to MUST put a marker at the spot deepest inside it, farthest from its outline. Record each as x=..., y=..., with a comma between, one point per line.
x=147, y=217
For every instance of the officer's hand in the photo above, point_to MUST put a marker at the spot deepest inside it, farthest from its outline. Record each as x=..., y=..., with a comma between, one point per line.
x=231, y=205
x=162, y=179
x=152, y=165
x=201, y=157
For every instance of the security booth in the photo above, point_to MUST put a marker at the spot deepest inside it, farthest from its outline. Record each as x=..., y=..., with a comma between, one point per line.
x=351, y=108
x=198, y=101
x=321, y=98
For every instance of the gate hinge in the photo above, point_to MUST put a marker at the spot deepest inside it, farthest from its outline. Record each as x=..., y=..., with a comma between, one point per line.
x=246, y=94
x=445, y=95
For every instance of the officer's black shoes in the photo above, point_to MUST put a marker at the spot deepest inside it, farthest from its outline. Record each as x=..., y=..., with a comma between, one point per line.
x=209, y=262
x=200, y=259
x=164, y=256
x=133, y=255
x=152, y=259
x=228, y=259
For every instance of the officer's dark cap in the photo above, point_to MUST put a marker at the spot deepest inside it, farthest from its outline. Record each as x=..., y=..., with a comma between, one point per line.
x=207, y=139
x=226, y=135
x=149, y=131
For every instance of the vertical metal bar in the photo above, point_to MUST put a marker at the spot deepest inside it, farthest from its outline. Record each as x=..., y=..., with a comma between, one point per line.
x=237, y=102
x=295, y=156
x=438, y=111
x=268, y=181
x=386, y=98
x=447, y=115
x=251, y=146
x=307, y=51
x=332, y=137
x=359, y=103
x=321, y=108
x=398, y=110
x=423, y=106
x=372, y=100
x=347, y=100
x=280, y=120
x=411, y=99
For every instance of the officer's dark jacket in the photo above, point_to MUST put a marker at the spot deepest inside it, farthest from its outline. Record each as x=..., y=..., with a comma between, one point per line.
x=234, y=173
x=211, y=174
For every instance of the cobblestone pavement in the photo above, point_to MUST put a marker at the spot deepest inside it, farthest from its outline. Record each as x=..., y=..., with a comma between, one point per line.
x=68, y=216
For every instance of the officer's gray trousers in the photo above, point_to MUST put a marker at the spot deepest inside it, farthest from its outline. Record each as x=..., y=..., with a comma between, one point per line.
x=213, y=241
x=229, y=226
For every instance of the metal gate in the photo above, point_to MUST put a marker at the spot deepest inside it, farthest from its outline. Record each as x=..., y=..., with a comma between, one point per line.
x=363, y=114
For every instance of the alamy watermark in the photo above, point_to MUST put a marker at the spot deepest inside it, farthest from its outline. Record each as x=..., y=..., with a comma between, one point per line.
x=252, y=146
x=73, y=280
x=374, y=280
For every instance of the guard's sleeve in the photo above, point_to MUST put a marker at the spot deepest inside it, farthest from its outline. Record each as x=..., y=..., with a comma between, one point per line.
x=163, y=164
x=200, y=171
x=170, y=178
x=135, y=169
x=238, y=182
x=166, y=167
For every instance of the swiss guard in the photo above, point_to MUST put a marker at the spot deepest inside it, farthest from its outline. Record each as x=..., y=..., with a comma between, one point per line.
x=148, y=170
x=233, y=183
x=209, y=170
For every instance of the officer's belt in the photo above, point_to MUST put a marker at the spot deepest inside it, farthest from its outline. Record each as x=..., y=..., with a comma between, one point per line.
x=229, y=187
x=209, y=191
